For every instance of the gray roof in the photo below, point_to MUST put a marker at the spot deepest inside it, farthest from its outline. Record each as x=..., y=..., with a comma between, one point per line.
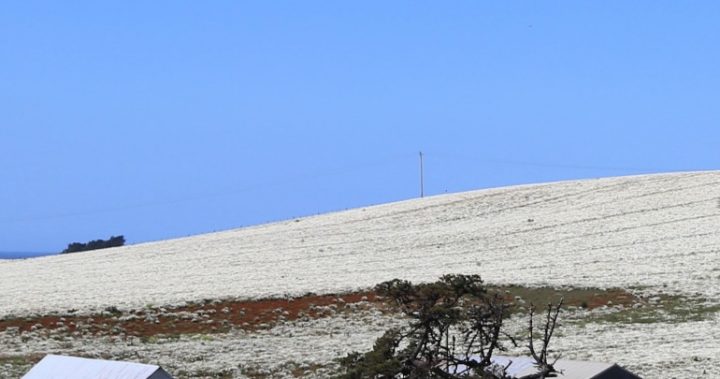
x=62, y=367
x=569, y=369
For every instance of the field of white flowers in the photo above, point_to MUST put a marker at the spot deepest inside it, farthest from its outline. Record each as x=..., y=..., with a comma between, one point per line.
x=653, y=234
x=298, y=345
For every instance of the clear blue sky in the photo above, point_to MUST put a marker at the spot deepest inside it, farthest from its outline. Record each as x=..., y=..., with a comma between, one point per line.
x=159, y=119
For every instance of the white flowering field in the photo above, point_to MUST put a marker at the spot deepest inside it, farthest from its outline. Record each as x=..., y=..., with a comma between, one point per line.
x=652, y=234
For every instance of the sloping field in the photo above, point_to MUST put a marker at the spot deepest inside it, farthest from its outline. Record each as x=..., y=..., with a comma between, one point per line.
x=659, y=231
x=653, y=234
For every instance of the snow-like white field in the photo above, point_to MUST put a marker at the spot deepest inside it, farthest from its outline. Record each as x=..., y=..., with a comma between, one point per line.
x=652, y=233
x=657, y=350
x=274, y=352
x=659, y=231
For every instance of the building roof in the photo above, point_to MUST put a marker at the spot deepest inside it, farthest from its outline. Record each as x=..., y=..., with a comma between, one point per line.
x=568, y=369
x=62, y=367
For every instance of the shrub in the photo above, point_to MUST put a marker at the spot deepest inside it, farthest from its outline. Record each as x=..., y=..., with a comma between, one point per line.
x=113, y=241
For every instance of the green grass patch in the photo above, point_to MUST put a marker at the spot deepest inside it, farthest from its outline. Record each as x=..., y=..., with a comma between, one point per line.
x=662, y=308
x=612, y=305
x=590, y=298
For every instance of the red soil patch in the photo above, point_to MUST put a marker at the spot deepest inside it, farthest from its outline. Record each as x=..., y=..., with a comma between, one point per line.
x=221, y=316
x=208, y=317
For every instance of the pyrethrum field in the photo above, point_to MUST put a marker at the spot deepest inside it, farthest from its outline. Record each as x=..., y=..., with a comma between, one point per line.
x=186, y=303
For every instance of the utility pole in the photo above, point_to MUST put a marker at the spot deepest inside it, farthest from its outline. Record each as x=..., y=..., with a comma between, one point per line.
x=422, y=184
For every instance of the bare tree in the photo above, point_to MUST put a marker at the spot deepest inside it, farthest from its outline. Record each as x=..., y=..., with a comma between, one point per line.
x=455, y=327
x=545, y=369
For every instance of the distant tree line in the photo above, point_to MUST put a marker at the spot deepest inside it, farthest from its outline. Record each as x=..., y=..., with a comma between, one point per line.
x=113, y=241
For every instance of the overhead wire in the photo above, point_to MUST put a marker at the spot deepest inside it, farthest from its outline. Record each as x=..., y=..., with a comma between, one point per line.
x=330, y=172
x=539, y=163
x=334, y=172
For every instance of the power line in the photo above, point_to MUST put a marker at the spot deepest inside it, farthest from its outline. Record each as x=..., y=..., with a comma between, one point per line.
x=552, y=164
x=284, y=182
x=333, y=172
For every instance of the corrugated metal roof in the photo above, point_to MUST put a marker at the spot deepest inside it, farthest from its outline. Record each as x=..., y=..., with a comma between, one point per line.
x=62, y=367
x=570, y=369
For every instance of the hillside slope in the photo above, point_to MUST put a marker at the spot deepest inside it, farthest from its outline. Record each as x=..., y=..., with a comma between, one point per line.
x=655, y=236
x=656, y=231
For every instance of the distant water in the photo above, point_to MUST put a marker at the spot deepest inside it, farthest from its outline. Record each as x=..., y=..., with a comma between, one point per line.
x=16, y=255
